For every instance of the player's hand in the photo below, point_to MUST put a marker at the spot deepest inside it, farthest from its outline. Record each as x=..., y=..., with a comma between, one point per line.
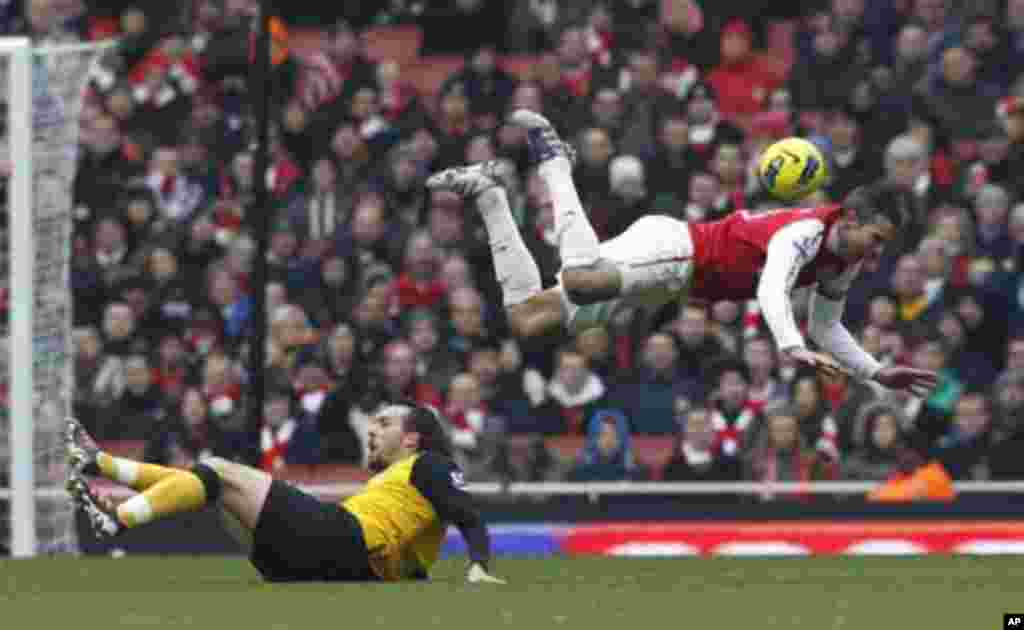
x=821, y=362
x=478, y=575
x=918, y=382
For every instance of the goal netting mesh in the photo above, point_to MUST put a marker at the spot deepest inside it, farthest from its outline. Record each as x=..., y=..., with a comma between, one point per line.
x=41, y=90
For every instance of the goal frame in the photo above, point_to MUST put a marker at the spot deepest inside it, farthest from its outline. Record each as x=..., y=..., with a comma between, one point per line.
x=22, y=303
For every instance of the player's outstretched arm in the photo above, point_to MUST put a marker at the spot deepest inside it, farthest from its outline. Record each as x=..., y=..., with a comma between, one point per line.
x=827, y=330
x=788, y=252
x=441, y=482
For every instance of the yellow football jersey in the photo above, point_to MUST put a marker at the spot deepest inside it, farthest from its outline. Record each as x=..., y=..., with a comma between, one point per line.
x=404, y=511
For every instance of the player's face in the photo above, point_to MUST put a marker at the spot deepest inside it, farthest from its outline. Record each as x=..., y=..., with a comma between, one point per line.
x=387, y=438
x=867, y=241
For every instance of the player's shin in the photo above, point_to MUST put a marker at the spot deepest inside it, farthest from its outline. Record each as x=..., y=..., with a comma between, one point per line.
x=577, y=241
x=515, y=268
x=183, y=491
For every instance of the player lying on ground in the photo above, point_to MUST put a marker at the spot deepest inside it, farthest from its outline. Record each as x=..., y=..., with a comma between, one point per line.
x=659, y=259
x=392, y=530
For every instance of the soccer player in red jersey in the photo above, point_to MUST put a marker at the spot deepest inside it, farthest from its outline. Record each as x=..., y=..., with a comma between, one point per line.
x=659, y=259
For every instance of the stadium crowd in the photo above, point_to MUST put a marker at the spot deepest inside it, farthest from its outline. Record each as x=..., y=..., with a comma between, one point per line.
x=378, y=288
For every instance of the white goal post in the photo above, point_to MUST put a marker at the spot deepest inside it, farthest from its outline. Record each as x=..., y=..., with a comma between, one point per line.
x=43, y=95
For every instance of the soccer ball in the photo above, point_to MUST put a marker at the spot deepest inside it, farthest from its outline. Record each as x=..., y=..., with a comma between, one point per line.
x=791, y=168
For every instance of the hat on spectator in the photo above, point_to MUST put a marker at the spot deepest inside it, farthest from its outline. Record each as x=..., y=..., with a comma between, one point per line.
x=737, y=27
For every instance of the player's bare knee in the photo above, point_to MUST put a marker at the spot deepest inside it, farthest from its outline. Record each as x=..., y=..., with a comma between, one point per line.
x=232, y=475
x=589, y=285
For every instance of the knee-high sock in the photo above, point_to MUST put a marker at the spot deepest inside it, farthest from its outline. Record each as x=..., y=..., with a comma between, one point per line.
x=577, y=241
x=515, y=267
x=181, y=491
x=131, y=473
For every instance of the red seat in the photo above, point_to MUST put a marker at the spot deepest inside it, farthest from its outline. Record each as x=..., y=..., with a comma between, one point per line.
x=393, y=43
x=520, y=66
x=427, y=74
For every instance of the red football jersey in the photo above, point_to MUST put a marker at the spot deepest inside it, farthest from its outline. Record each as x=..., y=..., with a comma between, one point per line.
x=729, y=254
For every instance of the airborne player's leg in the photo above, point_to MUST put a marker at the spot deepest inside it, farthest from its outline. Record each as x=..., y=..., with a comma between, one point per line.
x=531, y=311
x=584, y=278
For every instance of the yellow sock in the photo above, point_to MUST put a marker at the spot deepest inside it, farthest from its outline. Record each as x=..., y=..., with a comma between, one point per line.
x=181, y=491
x=131, y=473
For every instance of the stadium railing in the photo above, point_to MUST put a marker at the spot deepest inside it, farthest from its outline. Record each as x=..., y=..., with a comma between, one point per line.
x=328, y=491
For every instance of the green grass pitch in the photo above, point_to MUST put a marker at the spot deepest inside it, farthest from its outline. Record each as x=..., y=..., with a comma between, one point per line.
x=933, y=592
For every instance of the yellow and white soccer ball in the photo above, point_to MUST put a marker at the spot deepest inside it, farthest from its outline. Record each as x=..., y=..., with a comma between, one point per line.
x=791, y=168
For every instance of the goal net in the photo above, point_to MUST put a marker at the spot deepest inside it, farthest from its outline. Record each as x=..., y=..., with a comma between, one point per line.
x=41, y=90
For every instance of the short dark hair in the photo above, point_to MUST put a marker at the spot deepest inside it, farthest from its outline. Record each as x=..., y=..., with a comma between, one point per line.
x=431, y=427
x=879, y=200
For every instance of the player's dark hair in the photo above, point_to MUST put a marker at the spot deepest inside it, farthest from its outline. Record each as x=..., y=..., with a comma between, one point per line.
x=880, y=200
x=431, y=427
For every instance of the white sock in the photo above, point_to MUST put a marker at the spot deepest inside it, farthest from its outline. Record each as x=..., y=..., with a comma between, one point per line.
x=515, y=267
x=577, y=241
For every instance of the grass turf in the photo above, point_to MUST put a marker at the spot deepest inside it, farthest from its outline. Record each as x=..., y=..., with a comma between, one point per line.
x=933, y=592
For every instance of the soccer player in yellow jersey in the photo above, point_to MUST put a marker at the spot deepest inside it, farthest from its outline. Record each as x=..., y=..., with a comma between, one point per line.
x=392, y=530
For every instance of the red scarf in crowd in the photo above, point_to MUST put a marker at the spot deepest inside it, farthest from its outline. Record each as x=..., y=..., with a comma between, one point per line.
x=274, y=444
x=729, y=438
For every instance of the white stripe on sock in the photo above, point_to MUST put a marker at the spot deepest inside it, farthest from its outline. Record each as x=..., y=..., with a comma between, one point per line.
x=138, y=508
x=125, y=471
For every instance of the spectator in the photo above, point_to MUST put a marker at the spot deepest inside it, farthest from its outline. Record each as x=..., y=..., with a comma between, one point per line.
x=398, y=374
x=956, y=97
x=672, y=163
x=854, y=161
x=595, y=346
x=608, y=452
x=915, y=308
x=971, y=367
x=286, y=438
x=781, y=455
x=992, y=207
x=574, y=394
x=435, y=364
x=643, y=101
x=466, y=310
x=766, y=390
x=1008, y=433
x=734, y=418
x=628, y=193
x=741, y=82
x=695, y=458
x=488, y=87
x=884, y=453
x=419, y=285
x=648, y=401
x=829, y=75
x=698, y=347
x=817, y=426
x=906, y=163
x=964, y=449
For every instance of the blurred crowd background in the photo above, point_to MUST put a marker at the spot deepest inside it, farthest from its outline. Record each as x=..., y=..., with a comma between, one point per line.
x=379, y=289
